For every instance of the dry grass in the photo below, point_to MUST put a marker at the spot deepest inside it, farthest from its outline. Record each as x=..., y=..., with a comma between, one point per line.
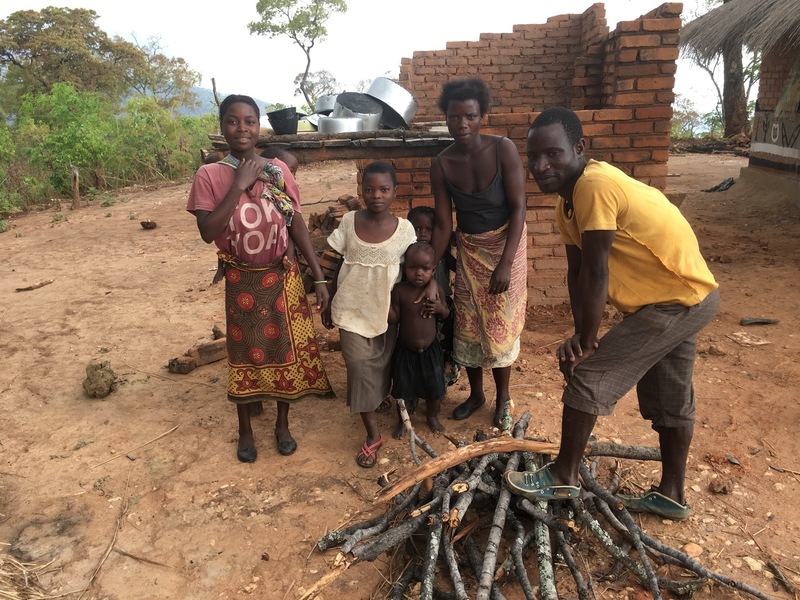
x=761, y=24
x=20, y=581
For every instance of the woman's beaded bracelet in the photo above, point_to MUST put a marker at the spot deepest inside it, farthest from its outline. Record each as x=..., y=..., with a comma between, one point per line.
x=321, y=281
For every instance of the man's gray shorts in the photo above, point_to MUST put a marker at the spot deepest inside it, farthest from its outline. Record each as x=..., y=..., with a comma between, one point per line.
x=652, y=349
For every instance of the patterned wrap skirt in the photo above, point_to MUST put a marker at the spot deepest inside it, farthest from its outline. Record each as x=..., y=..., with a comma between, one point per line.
x=488, y=326
x=272, y=347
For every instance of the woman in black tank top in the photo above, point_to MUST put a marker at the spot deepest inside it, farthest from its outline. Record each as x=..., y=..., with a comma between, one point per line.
x=481, y=177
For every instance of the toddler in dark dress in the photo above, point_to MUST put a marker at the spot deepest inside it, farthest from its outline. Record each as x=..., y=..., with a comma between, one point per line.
x=418, y=363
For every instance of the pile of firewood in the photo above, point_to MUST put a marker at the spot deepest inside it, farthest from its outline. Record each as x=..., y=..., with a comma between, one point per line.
x=320, y=226
x=456, y=532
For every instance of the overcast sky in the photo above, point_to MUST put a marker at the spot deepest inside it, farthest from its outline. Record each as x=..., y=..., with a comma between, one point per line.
x=367, y=41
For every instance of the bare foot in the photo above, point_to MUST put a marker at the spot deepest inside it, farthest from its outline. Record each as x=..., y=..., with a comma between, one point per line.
x=434, y=424
x=399, y=430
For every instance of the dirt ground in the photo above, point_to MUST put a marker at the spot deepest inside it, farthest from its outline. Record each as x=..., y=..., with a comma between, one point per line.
x=187, y=520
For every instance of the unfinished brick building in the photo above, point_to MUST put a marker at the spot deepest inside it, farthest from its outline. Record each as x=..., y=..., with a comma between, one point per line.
x=619, y=82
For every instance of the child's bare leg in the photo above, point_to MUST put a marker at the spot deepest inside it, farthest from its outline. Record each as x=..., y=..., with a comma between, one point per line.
x=399, y=430
x=370, y=420
x=432, y=410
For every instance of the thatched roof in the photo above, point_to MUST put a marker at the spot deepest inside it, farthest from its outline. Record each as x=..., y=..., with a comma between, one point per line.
x=761, y=24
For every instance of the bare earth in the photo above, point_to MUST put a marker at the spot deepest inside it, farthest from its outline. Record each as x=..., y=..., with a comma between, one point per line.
x=74, y=469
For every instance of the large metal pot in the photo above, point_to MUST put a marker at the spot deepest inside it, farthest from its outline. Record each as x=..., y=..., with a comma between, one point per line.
x=360, y=106
x=399, y=107
x=339, y=125
x=324, y=104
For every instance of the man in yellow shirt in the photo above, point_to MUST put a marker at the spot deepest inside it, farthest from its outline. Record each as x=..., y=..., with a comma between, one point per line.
x=625, y=243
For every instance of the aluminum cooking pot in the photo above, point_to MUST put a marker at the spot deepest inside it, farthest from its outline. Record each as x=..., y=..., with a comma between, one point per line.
x=339, y=125
x=360, y=106
x=324, y=104
x=399, y=107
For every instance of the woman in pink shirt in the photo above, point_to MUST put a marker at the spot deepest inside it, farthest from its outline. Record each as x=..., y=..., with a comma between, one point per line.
x=249, y=206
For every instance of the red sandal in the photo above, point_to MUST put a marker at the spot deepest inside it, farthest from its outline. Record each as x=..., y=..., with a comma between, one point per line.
x=368, y=455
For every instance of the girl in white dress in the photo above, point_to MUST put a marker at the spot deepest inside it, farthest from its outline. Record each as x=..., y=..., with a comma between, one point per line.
x=372, y=242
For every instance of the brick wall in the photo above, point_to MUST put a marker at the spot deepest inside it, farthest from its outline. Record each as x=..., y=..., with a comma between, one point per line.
x=775, y=68
x=620, y=84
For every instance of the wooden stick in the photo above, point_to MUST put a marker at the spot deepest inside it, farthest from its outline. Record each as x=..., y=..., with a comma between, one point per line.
x=158, y=437
x=141, y=558
x=327, y=579
x=35, y=286
x=459, y=455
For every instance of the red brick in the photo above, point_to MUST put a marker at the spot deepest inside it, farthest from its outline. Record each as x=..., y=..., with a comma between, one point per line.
x=661, y=24
x=630, y=156
x=540, y=227
x=422, y=201
x=507, y=119
x=651, y=141
x=609, y=142
x=629, y=26
x=654, y=112
x=651, y=170
x=549, y=263
x=655, y=83
x=646, y=54
x=629, y=55
x=633, y=98
x=639, y=41
x=592, y=129
x=637, y=70
x=536, y=252
x=547, y=239
x=660, y=155
x=670, y=39
x=633, y=127
x=612, y=114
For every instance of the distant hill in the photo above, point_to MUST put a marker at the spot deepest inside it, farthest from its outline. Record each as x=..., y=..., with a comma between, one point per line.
x=205, y=97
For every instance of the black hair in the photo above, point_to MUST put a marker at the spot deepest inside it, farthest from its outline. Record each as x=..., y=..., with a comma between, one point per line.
x=421, y=247
x=381, y=167
x=459, y=90
x=274, y=152
x=233, y=99
x=419, y=211
x=566, y=117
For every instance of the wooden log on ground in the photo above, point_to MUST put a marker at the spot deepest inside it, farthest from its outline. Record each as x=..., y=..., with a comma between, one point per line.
x=459, y=455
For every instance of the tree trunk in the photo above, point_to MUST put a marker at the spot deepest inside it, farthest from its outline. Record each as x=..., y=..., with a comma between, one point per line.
x=734, y=100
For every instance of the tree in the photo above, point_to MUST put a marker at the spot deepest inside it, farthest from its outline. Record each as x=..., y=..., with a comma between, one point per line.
x=734, y=101
x=303, y=21
x=737, y=81
x=168, y=80
x=316, y=84
x=62, y=45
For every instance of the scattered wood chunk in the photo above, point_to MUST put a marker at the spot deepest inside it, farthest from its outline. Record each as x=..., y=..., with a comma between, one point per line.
x=200, y=354
x=35, y=286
